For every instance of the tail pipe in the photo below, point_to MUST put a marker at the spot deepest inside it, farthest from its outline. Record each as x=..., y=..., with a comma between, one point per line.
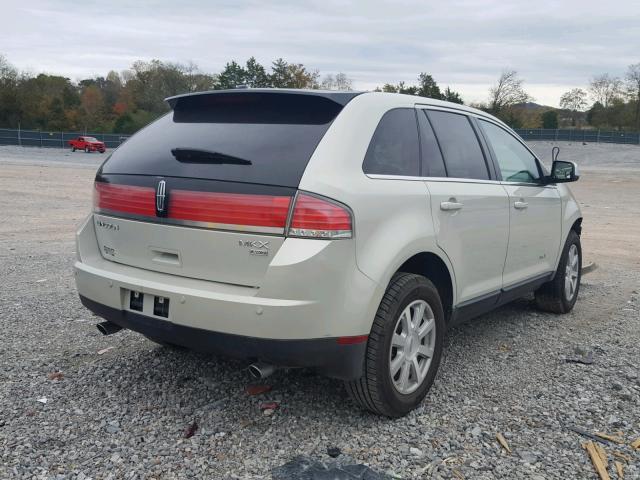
x=108, y=328
x=261, y=369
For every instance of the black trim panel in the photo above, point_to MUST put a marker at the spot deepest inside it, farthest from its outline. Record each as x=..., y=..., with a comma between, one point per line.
x=344, y=362
x=521, y=289
x=485, y=303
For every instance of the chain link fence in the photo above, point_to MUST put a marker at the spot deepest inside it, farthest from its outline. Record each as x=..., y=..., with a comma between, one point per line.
x=37, y=138
x=590, y=136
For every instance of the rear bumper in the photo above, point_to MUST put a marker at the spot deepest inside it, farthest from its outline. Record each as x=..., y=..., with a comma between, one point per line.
x=305, y=303
x=326, y=354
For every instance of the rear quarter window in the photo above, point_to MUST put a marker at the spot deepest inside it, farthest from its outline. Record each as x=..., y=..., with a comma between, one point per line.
x=461, y=150
x=394, y=148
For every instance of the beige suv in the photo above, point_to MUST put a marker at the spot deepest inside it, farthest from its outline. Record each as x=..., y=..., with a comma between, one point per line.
x=342, y=231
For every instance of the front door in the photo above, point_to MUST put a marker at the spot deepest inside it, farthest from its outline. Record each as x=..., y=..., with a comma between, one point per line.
x=535, y=210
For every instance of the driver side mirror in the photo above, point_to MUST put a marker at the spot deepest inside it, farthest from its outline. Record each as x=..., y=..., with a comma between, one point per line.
x=563, y=172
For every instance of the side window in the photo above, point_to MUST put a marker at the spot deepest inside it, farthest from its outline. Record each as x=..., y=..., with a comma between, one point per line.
x=394, y=146
x=460, y=148
x=432, y=162
x=516, y=163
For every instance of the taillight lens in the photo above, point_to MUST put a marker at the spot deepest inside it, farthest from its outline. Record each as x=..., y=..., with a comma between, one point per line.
x=316, y=217
x=229, y=209
x=313, y=216
x=128, y=199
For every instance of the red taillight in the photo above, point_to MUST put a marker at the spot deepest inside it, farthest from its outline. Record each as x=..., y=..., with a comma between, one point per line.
x=130, y=199
x=312, y=217
x=226, y=209
x=315, y=217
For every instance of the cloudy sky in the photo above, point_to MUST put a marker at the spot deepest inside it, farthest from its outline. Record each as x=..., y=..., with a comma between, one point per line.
x=554, y=45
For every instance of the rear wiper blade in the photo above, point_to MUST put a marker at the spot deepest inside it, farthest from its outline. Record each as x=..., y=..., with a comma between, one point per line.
x=192, y=155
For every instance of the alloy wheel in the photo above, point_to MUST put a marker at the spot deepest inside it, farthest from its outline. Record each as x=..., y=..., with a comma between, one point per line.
x=571, y=273
x=412, y=347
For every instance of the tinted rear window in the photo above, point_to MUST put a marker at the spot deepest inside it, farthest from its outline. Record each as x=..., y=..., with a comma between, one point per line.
x=265, y=138
x=394, y=146
x=459, y=143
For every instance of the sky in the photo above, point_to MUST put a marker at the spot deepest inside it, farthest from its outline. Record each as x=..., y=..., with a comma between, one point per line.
x=465, y=44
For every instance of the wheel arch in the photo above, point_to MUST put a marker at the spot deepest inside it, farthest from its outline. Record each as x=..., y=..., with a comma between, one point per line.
x=433, y=267
x=577, y=226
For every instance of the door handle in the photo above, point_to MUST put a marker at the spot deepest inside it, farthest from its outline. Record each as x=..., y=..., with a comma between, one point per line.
x=449, y=206
x=520, y=205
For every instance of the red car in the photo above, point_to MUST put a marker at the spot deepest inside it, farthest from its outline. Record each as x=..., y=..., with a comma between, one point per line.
x=88, y=144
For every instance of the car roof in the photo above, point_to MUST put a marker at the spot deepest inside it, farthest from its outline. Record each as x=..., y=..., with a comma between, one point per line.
x=398, y=100
x=342, y=97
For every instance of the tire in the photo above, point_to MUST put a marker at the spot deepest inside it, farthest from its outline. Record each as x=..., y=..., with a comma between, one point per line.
x=377, y=390
x=73, y=149
x=557, y=296
x=87, y=150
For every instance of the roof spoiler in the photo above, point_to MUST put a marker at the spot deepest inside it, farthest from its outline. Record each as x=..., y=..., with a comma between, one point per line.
x=341, y=98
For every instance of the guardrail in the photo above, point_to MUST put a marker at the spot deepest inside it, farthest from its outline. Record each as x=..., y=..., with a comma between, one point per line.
x=566, y=135
x=38, y=138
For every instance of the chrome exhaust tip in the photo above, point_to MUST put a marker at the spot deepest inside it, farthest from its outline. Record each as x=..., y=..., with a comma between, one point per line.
x=261, y=370
x=108, y=328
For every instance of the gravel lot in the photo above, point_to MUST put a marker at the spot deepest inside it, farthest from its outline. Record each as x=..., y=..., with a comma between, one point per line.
x=123, y=412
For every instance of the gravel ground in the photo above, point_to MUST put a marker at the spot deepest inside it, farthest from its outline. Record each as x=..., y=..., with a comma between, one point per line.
x=121, y=405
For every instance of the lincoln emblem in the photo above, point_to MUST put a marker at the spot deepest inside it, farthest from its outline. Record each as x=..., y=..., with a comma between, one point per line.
x=161, y=198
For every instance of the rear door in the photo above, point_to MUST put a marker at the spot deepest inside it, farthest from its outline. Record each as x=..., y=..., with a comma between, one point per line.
x=469, y=207
x=534, y=208
x=206, y=191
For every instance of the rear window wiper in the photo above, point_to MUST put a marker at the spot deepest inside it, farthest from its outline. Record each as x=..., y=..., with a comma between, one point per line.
x=192, y=155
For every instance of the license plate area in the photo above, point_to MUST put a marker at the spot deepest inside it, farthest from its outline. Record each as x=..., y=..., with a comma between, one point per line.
x=161, y=306
x=146, y=303
x=136, y=301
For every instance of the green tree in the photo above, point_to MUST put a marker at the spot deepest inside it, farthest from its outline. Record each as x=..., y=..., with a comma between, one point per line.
x=428, y=87
x=595, y=115
x=153, y=81
x=10, y=107
x=550, y=119
x=231, y=76
x=574, y=100
x=451, y=96
x=256, y=75
x=280, y=76
x=300, y=77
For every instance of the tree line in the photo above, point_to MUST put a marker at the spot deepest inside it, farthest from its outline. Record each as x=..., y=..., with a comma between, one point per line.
x=123, y=102
x=609, y=102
